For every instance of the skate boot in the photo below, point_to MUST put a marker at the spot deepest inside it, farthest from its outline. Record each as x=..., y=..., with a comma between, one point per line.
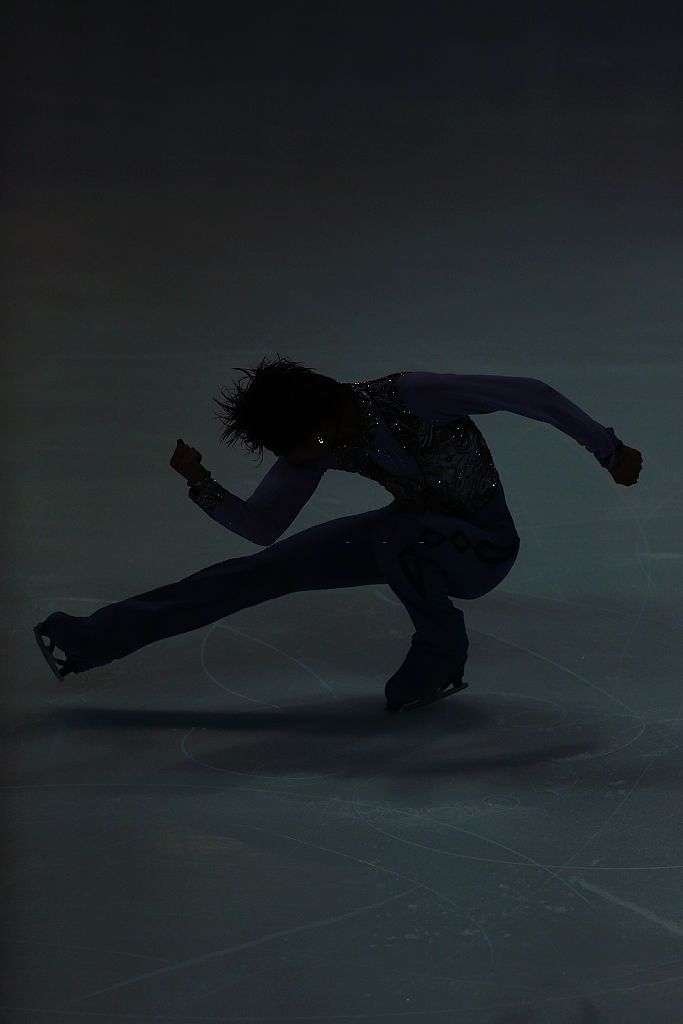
x=454, y=684
x=59, y=667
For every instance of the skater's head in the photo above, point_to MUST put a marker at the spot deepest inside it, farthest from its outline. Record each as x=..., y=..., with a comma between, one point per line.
x=285, y=407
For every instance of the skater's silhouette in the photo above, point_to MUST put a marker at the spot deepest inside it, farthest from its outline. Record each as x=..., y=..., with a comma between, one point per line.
x=447, y=532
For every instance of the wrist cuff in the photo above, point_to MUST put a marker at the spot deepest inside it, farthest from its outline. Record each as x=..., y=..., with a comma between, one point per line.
x=206, y=493
x=611, y=460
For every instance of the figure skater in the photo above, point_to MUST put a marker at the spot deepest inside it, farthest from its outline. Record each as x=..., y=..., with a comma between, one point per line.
x=447, y=533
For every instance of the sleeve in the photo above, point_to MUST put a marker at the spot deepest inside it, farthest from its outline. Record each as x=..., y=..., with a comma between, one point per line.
x=273, y=506
x=440, y=397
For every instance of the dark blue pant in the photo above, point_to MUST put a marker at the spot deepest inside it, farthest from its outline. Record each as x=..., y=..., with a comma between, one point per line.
x=422, y=556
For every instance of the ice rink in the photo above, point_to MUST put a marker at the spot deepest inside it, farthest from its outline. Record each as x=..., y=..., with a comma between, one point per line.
x=226, y=826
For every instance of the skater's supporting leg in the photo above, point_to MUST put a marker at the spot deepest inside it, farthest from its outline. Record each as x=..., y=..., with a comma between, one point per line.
x=423, y=566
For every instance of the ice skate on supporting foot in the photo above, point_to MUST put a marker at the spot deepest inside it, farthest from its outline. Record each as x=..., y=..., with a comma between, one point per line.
x=454, y=684
x=60, y=668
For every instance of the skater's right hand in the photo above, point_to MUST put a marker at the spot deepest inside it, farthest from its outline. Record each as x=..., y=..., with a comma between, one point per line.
x=628, y=468
x=188, y=462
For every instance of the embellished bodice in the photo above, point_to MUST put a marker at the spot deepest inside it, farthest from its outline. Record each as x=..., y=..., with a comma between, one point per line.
x=457, y=472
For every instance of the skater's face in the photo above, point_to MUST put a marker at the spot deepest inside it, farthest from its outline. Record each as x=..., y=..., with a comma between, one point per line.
x=344, y=427
x=313, y=449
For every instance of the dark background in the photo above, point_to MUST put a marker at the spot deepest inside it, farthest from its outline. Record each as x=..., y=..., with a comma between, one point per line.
x=98, y=92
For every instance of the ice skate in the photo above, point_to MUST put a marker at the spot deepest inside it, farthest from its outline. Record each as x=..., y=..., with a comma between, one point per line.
x=59, y=667
x=454, y=684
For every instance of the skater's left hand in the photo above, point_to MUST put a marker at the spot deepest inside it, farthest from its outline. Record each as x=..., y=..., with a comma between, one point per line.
x=628, y=469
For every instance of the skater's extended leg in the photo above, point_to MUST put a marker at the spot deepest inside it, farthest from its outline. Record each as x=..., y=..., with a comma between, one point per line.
x=330, y=555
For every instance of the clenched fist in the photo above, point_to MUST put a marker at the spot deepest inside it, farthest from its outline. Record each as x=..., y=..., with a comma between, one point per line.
x=188, y=462
x=628, y=468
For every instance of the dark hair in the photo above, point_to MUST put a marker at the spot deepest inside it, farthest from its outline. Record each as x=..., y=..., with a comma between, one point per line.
x=281, y=406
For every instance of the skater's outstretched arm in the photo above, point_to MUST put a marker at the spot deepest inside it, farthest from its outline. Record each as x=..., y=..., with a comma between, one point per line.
x=440, y=397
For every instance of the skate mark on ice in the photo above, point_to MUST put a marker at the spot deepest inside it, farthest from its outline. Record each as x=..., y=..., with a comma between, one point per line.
x=463, y=856
x=230, y=950
x=272, y=647
x=677, y=929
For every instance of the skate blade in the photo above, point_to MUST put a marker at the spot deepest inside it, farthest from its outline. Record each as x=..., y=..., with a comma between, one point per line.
x=428, y=700
x=47, y=650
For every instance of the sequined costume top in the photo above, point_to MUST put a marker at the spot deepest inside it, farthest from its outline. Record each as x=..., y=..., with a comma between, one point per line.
x=418, y=441
x=457, y=471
